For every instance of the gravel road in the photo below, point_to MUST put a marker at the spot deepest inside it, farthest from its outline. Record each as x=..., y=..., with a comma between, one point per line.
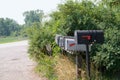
x=15, y=63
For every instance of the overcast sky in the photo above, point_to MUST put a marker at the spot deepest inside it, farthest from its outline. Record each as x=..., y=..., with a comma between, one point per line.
x=15, y=8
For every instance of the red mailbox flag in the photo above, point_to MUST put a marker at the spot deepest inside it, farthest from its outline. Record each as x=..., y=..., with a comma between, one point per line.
x=87, y=37
x=72, y=44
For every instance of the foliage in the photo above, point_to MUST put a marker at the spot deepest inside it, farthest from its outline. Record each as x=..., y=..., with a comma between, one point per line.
x=8, y=27
x=39, y=37
x=45, y=67
x=76, y=15
x=32, y=16
x=108, y=55
x=85, y=15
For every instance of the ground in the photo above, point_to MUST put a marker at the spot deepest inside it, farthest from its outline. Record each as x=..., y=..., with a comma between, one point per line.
x=15, y=63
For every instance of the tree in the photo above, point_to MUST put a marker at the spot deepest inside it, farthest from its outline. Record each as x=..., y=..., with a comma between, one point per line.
x=8, y=26
x=33, y=16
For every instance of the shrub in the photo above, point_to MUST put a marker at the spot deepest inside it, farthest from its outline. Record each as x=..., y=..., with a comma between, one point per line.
x=73, y=15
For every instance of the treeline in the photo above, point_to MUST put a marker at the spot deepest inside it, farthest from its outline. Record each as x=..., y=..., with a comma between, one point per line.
x=9, y=27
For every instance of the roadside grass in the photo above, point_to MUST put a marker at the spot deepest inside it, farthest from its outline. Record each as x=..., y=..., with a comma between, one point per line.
x=56, y=68
x=10, y=39
x=65, y=68
x=45, y=68
x=61, y=67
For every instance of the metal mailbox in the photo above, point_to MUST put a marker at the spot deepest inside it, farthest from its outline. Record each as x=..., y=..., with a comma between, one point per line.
x=70, y=45
x=57, y=38
x=89, y=36
x=61, y=41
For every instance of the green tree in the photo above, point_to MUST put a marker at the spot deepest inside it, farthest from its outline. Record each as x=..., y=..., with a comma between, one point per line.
x=8, y=26
x=33, y=16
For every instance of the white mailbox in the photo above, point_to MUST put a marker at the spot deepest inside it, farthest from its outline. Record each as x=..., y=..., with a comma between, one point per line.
x=57, y=38
x=70, y=45
x=61, y=41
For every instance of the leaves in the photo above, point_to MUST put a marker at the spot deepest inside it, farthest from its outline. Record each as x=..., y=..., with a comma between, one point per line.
x=9, y=27
x=33, y=16
x=85, y=15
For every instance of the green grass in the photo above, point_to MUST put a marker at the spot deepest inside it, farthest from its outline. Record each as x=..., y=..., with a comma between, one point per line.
x=10, y=39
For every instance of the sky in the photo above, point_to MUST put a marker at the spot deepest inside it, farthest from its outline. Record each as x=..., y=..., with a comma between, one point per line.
x=14, y=9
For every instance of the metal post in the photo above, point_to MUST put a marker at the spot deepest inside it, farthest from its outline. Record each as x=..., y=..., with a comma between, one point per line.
x=88, y=61
x=78, y=66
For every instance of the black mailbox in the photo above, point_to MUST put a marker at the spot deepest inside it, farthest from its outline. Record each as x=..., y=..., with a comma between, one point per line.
x=89, y=36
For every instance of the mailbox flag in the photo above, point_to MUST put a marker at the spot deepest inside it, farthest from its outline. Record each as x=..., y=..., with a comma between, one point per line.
x=87, y=37
x=72, y=44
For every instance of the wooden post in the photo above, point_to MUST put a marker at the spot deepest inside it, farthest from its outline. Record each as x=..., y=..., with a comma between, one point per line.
x=78, y=66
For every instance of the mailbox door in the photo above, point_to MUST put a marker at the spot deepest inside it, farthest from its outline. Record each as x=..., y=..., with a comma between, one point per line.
x=89, y=36
x=81, y=36
x=70, y=45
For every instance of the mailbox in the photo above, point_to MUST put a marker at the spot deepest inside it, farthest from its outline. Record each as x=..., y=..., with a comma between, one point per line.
x=70, y=45
x=57, y=38
x=89, y=36
x=61, y=41
x=66, y=37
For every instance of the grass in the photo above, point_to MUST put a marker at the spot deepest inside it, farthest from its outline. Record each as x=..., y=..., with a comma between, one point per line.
x=62, y=67
x=56, y=68
x=65, y=69
x=45, y=68
x=10, y=39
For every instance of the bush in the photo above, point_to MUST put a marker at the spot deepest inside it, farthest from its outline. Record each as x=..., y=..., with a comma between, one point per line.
x=40, y=37
x=70, y=16
x=108, y=55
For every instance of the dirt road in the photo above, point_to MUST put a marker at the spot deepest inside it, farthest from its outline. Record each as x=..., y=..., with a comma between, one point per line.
x=15, y=63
